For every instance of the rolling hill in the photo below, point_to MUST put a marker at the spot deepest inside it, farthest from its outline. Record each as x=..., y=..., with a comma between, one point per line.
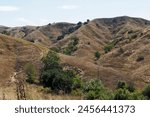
x=123, y=43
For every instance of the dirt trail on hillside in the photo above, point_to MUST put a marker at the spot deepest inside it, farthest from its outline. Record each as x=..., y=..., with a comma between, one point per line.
x=19, y=78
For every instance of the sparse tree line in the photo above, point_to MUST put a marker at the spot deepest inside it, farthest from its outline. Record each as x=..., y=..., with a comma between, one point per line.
x=55, y=79
x=72, y=29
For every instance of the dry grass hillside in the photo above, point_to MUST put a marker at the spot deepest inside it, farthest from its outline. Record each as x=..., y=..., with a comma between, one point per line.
x=43, y=34
x=14, y=55
x=130, y=38
x=123, y=43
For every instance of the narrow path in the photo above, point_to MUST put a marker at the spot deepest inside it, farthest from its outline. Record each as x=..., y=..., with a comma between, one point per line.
x=18, y=78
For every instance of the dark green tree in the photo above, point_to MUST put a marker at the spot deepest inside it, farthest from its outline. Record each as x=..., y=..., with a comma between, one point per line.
x=51, y=60
x=53, y=75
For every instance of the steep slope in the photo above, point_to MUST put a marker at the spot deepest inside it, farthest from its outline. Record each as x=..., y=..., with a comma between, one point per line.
x=130, y=40
x=14, y=55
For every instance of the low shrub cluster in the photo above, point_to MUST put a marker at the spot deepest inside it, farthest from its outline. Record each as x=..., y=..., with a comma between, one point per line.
x=94, y=89
x=55, y=79
x=71, y=47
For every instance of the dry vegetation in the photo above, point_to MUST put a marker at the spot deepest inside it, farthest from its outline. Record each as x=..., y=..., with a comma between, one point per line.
x=130, y=39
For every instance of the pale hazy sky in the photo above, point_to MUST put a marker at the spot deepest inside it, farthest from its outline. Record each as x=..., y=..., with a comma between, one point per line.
x=40, y=12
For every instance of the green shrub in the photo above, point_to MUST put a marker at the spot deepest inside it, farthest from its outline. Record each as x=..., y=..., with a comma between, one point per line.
x=51, y=60
x=77, y=83
x=136, y=96
x=77, y=92
x=109, y=47
x=75, y=41
x=31, y=72
x=146, y=91
x=57, y=79
x=97, y=55
x=71, y=47
x=94, y=89
x=77, y=86
x=131, y=87
x=48, y=77
x=122, y=94
x=127, y=92
x=121, y=85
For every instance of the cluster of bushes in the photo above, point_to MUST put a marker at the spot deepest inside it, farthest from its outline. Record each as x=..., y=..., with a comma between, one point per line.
x=57, y=79
x=54, y=78
x=127, y=92
x=146, y=92
x=71, y=47
x=70, y=30
x=6, y=32
x=94, y=89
